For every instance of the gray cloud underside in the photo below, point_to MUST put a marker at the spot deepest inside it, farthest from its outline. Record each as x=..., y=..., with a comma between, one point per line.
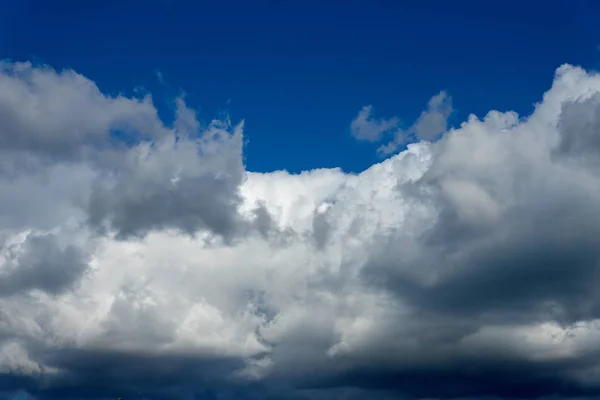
x=464, y=267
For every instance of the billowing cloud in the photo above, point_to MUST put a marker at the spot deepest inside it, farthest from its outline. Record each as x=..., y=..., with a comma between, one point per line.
x=142, y=260
x=63, y=115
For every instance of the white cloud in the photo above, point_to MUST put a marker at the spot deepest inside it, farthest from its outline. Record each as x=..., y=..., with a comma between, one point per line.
x=169, y=260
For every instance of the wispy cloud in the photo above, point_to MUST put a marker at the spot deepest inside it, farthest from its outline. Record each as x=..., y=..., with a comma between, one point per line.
x=160, y=77
x=368, y=128
x=432, y=123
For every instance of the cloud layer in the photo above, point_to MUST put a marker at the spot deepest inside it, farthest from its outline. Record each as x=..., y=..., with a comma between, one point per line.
x=463, y=267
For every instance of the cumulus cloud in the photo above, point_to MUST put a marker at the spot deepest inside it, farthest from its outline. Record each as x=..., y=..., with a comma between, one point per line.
x=39, y=262
x=156, y=266
x=183, y=184
x=60, y=115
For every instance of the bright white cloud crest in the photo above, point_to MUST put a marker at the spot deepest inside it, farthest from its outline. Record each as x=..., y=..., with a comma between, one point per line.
x=478, y=250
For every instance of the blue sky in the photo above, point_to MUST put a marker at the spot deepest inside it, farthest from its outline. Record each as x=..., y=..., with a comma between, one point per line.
x=299, y=71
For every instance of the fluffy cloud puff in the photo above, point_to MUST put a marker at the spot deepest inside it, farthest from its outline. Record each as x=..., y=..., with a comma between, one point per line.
x=464, y=267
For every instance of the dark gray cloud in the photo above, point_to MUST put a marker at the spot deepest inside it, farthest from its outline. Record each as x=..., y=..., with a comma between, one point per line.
x=41, y=263
x=170, y=188
x=579, y=126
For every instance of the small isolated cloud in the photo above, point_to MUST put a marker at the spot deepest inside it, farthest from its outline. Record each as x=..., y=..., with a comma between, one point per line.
x=432, y=123
x=160, y=77
x=465, y=267
x=368, y=128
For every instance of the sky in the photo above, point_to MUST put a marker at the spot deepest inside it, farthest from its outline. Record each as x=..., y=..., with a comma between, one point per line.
x=297, y=71
x=300, y=200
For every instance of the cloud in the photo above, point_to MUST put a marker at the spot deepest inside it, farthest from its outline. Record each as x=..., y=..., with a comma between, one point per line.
x=430, y=125
x=39, y=262
x=160, y=77
x=60, y=115
x=433, y=122
x=167, y=184
x=156, y=266
x=365, y=127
